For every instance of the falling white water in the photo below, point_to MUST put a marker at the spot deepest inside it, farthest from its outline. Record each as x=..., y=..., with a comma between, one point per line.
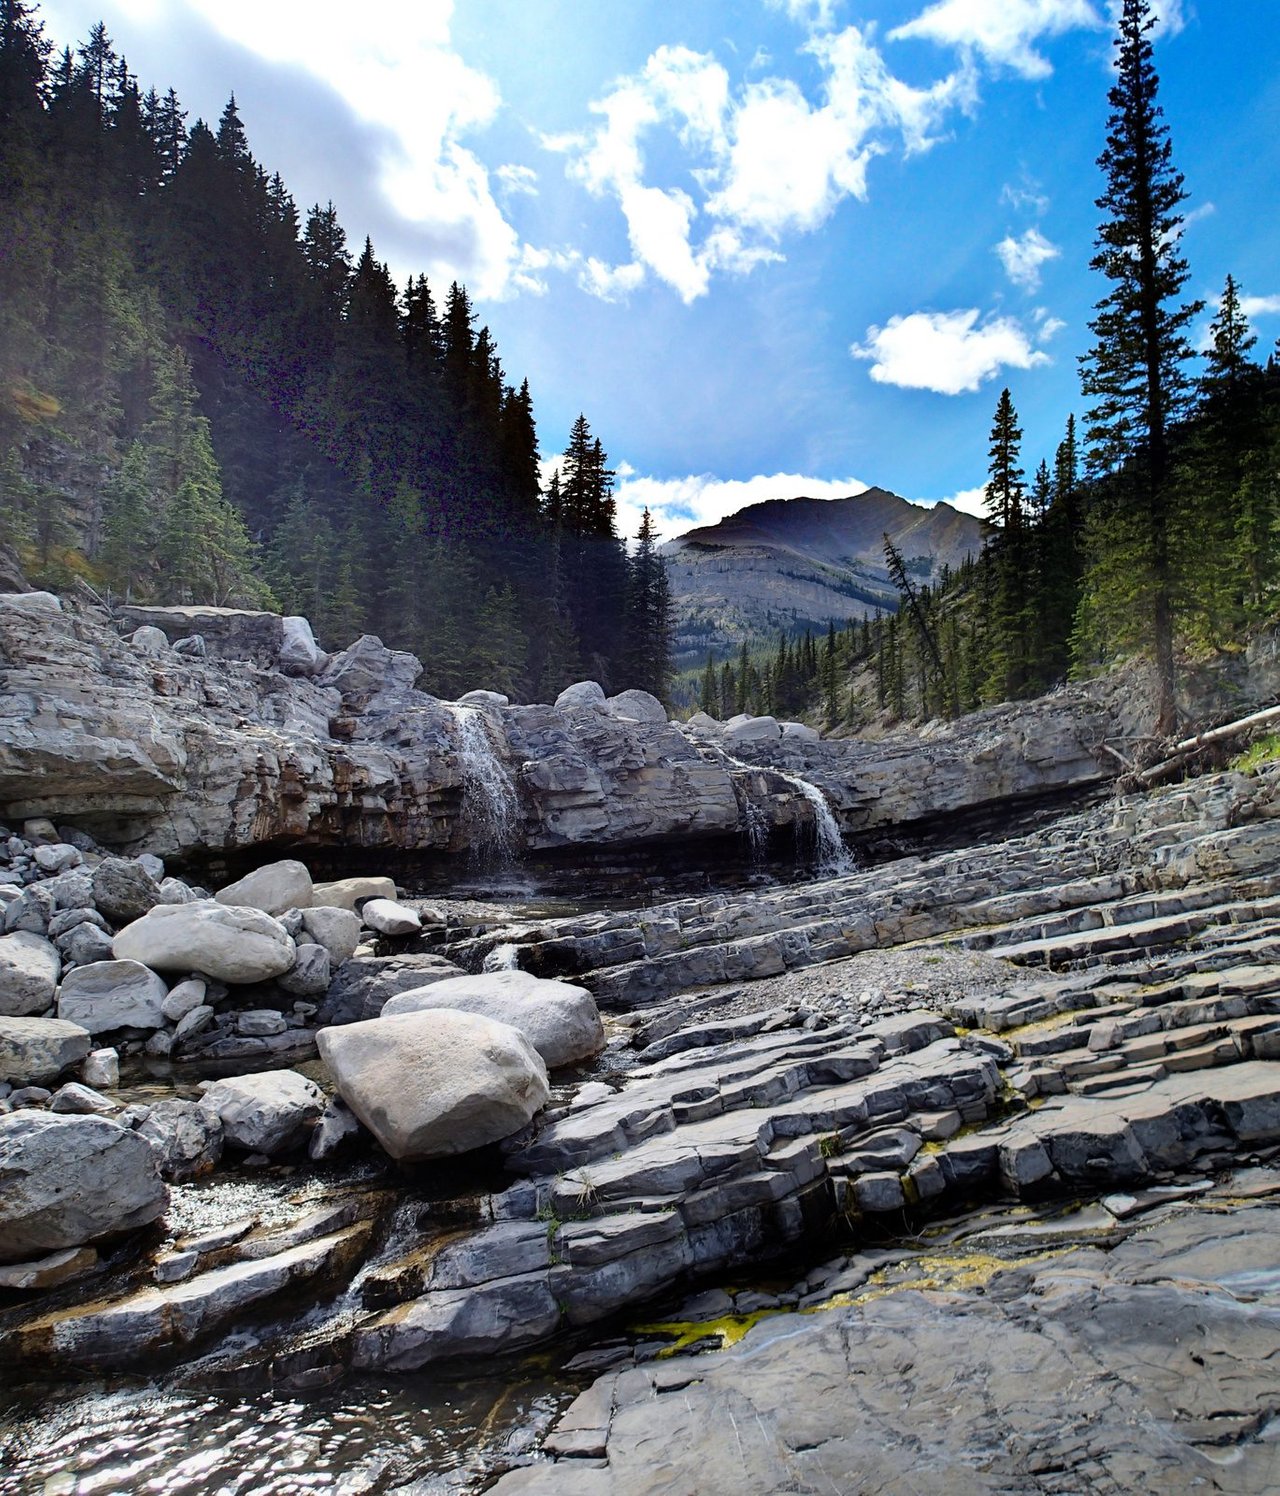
x=502, y=958
x=833, y=855
x=757, y=828
x=490, y=804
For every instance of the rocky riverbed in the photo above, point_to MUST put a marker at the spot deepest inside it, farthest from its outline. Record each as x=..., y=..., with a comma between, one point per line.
x=390, y=1182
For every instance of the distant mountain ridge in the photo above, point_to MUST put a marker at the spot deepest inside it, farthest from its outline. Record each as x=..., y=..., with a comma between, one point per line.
x=798, y=563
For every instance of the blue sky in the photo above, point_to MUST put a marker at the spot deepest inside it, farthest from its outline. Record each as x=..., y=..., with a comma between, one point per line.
x=769, y=247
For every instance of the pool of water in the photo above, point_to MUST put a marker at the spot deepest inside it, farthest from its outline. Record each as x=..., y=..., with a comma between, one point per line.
x=361, y=1436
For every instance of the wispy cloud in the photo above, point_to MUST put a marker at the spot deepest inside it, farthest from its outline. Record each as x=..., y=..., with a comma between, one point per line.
x=1252, y=307
x=818, y=15
x=1023, y=256
x=1003, y=32
x=950, y=353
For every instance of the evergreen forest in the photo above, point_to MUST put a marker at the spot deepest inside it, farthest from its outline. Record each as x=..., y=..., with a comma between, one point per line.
x=208, y=395
x=1153, y=528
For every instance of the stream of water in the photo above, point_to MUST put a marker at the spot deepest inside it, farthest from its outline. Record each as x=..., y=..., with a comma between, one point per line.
x=490, y=803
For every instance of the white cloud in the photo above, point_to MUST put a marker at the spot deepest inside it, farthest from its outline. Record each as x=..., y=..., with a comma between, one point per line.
x=518, y=181
x=950, y=353
x=818, y=15
x=1168, y=13
x=680, y=504
x=403, y=76
x=1259, y=306
x=1023, y=257
x=1026, y=196
x=970, y=501
x=1003, y=31
x=765, y=160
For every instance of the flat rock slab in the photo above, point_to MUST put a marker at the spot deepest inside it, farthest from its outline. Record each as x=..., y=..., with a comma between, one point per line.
x=1093, y=1378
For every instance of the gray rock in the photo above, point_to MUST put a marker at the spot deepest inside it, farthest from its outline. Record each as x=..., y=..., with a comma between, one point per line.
x=581, y=693
x=57, y=857
x=744, y=729
x=434, y=1083
x=175, y=891
x=67, y=1181
x=151, y=864
x=123, y=890
x=230, y=943
x=71, y=890
x=31, y=602
x=49, y=1272
x=561, y=1021
x=85, y=944
x=389, y=918
x=368, y=668
x=347, y=893
x=101, y=1068
x=337, y=930
x=260, y=1023
x=30, y=912
x=484, y=698
x=149, y=640
x=35, y=1050
x=194, y=1021
x=186, y=1135
x=271, y=1112
x=273, y=889
x=311, y=972
x=183, y=999
x=336, y=1130
x=636, y=706
x=801, y=732
x=29, y=970
x=361, y=986
x=77, y=1099
x=112, y=995
x=299, y=652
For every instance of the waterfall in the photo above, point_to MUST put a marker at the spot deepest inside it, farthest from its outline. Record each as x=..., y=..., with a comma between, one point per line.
x=490, y=805
x=503, y=957
x=833, y=856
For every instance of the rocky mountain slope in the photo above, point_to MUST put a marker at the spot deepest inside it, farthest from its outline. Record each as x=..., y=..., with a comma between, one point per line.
x=796, y=563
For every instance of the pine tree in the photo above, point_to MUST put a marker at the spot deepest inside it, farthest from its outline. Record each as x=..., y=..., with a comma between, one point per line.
x=1009, y=556
x=708, y=697
x=648, y=615
x=1135, y=369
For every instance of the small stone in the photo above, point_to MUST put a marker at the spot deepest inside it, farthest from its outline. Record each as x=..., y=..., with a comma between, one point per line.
x=174, y=1267
x=57, y=857
x=123, y=890
x=260, y=1023
x=160, y=1045
x=311, y=972
x=101, y=1068
x=390, y=918
x=29, y=1096
x=81, y=1099
x=193, y=1023
x=183, y=999
x=48, y=1272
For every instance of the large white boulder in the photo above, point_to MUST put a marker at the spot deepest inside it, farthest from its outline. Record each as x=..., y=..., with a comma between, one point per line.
x=390, y=918
x=581, y=693
x=299, y=652
x=112, y=995
x=270, y=1112
x=438, y=1082
x=32, y=602
x=637, y=706
x=346, y=893
x=229, y=943
x=273, y=889
x=560, y=1020
x=337, y=930
x=801, y=732
x=484, y=698
x=29, y=970
x=35, y=1051
x=744, y=729
x=66, y=1180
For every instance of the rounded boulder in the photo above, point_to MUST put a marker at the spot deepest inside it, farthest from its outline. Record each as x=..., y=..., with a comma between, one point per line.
x=560, y=1020
x=435, y=1083
x=230, y=943
x=273, y=889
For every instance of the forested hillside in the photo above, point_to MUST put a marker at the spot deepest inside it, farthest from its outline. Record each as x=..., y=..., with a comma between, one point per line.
x=208, y=395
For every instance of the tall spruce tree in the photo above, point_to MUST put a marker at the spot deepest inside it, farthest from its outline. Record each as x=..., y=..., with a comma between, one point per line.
x=1135, y=370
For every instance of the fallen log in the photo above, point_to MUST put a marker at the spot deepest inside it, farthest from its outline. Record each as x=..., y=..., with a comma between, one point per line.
x=1189, y=747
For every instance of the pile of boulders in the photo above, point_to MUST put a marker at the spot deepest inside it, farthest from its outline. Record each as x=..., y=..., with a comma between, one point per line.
x=104, y=959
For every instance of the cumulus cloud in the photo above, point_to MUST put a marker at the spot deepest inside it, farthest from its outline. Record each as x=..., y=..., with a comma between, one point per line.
x=764, y=160
x=1022, y=257
x=818, y=15
x=951, y=353
x=403, y=77
x=1004, y=32
x=970, y=501
x=1259, y=306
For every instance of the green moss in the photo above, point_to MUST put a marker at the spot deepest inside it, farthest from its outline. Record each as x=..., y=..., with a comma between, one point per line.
x=729, y=1329
x=1264, y=751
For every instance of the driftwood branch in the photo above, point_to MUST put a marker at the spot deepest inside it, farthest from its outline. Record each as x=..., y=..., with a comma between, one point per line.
x=1189, y=747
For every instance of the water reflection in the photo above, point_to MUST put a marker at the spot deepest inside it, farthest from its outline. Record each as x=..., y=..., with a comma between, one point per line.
x=366, y=1436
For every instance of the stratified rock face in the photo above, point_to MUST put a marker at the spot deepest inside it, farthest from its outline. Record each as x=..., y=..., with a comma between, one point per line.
x=35, y=1051
x=230, y=944
x=112, y=995
x=271, y=1112
x=29, y=968
x=560, y=1020
x=68, y=1180
x=188, y=755
x=430, y=1084
x=274, y=888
